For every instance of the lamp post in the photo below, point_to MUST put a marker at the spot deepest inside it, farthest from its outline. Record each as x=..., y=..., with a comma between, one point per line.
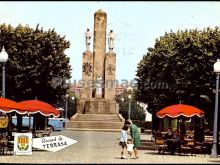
x=66, y=106
x=122, y=103
x=74, y=105
x=3, y=60
x=73, y=98
x=214, y=153
x=129, y=110
x=129, y=90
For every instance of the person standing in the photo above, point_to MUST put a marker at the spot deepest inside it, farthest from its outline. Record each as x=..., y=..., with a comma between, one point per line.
x=123, y=141
x=130, y=148
x=135, y=135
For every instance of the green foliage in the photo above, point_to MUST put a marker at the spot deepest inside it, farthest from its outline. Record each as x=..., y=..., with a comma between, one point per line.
x=72, y=103
x=137, y=112
x=35, y=58
x=184, y=62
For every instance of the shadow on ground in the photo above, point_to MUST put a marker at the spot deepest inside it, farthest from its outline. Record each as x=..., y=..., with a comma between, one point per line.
x=176, y=154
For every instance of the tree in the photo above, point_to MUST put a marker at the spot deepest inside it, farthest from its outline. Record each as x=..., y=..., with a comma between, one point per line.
x=137, y=112
x=36, y=57
x=183, y=61
x=72, y=103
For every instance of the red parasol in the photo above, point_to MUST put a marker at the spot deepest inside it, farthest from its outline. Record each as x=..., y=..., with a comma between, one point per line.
x=36, y=106
x=177, y=110
x=8, y=106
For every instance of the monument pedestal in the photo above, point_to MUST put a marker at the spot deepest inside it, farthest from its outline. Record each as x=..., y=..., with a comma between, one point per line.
x=96, y=114
x=98, y=106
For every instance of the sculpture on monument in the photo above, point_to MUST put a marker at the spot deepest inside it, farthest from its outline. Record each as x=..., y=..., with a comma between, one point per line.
x=98, y=85
x=111, y=38
x=88, y=36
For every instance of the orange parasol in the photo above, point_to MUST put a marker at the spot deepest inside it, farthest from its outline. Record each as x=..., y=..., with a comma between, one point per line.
x=177, y=110
x=36, y=106
x=8, y=106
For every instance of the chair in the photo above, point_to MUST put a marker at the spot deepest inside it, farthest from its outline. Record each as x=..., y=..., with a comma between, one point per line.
x=9, y=147
x=42, y=133
x=200, y=148
x=189, y=134
x=187, y=147
x=160, y=146
x=4, y=145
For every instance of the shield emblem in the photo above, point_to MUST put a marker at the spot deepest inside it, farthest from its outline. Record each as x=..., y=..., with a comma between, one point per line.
x=22, y=142
x=87, y=68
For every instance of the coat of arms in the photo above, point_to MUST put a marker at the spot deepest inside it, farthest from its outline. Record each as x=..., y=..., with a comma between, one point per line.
x=110, y=69
x=87, y=68
x=23, y=143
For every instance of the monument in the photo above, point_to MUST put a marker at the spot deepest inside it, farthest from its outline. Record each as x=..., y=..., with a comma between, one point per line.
x=97, y=100
x=98, y=91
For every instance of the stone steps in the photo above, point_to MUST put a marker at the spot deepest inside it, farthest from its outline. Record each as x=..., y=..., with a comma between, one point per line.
x=110, y=122
x=94, y=124
x=91, y=129
x=146, y=145
x=97, y=117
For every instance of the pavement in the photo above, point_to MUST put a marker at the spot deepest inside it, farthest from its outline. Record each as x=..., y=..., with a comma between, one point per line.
x=100, y=148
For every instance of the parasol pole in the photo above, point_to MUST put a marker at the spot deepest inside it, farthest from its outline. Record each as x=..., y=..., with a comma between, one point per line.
x=29, y=121
x=178, y=123
x=46, y=122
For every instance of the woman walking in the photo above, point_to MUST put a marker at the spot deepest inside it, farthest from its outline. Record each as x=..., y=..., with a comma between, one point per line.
x=135, y=135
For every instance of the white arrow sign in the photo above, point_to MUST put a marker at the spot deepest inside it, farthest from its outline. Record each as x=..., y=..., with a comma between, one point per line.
x=53, y=143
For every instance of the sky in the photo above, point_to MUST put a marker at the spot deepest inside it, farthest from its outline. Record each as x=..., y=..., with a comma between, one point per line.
x=136, y=25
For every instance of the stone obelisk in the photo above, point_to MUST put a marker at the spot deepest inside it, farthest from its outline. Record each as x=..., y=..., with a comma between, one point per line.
x=99, y=49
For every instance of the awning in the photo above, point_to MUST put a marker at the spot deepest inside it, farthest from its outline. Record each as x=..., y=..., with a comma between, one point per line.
x=36, y=106
x=8, y=106
x=178, y=110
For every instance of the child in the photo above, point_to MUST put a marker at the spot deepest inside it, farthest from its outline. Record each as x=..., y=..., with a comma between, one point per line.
x=130, y=148
x=123, y=141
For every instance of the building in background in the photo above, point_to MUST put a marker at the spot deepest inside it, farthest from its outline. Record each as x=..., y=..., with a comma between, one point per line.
x=148, y=116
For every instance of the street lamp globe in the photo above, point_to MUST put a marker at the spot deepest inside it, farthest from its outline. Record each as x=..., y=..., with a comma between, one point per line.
x=3, y=56
x=129, y=107
x=67, y=95
x=129, y=89
x=122, y=99
x=73, y=98
x=217, y=66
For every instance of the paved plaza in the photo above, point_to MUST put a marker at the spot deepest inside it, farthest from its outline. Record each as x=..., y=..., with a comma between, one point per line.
x=100, y=147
